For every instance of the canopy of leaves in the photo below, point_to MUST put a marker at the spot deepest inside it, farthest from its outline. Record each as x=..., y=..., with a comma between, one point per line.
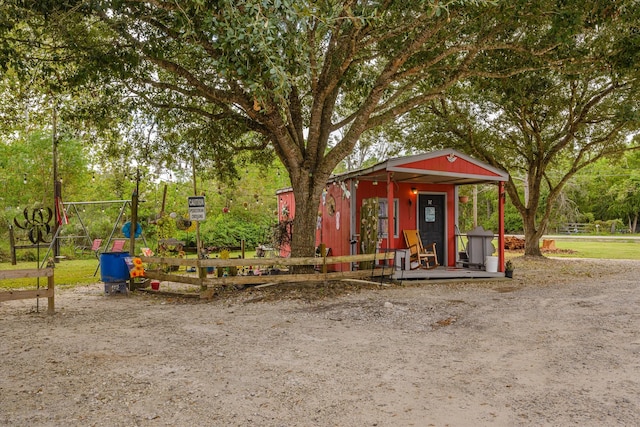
x=297, y=73
x=545, y=125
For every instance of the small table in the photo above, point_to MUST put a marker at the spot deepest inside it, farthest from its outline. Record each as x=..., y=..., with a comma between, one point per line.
x=403, y=254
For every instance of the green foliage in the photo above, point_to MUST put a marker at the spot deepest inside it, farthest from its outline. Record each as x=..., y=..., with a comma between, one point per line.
x=165, y=227
x=228, y=230
x=608, y=189
x=512, y=220
x=508, y=266
x=598, y=249
x=29, y=158
x=215, y=78
x=546, y=125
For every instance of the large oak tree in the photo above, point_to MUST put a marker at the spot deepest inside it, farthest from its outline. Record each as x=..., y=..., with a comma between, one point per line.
x=306, y=78
x=545, y=126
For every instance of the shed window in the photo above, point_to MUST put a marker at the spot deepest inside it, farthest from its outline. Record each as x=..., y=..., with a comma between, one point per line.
x=383, y=218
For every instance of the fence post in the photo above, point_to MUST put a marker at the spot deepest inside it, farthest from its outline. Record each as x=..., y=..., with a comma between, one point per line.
x=48, y=293
x=51, y=299
x=323, y=254
x=12, y=244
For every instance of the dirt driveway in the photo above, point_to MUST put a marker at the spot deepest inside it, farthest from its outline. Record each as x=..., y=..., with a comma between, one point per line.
x=557, y=345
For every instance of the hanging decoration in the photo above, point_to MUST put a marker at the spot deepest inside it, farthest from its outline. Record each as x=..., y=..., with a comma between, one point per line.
x=285, y=211
x=331, y=205
x=368, y=229
x=346, y=194
x=126, y=230
x=184, y=224
x=61, y=212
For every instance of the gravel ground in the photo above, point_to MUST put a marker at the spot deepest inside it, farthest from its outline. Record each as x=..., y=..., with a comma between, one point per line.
x=557, y=345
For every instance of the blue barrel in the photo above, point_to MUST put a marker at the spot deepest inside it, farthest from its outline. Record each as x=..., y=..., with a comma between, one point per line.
x=113, y=269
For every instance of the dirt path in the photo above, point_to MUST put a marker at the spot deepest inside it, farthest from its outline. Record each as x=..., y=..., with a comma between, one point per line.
x=558, y=345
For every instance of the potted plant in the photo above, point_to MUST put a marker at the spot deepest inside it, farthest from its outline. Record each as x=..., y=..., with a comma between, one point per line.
x=508, y=269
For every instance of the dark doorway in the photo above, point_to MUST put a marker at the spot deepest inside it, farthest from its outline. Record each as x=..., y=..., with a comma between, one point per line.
x=431, y=222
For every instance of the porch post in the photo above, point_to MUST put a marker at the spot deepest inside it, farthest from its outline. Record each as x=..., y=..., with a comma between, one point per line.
x=501, y=200
x=390, y=212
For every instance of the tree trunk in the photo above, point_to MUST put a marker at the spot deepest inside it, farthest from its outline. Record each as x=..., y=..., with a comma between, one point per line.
x=303, y=238
x=307, y=192
x=633, y=222
x=532, y=235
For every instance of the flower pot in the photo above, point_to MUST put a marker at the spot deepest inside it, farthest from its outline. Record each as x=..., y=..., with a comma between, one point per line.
x=155, y=285
x=463, y=199
x=509, y=274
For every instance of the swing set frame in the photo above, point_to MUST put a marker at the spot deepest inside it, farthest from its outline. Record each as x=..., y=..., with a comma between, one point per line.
x=72, y=208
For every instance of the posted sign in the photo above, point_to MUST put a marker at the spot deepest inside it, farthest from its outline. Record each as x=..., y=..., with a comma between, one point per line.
x=197, y=211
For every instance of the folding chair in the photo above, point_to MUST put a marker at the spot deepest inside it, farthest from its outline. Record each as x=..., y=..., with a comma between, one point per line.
x=420, y=256
x=118, y=245
x=95, y=247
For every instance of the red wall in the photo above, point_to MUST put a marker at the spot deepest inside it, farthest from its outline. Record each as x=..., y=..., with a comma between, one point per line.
x=441, y=164
x=407, y=202
x=286, y=201
x=334, y=230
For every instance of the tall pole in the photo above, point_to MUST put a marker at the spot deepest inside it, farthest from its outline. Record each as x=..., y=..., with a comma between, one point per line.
x=57, y=186
x=195, y=193
x=501, y=200
x=134, y=225
x=475, y=206
x=202, y=271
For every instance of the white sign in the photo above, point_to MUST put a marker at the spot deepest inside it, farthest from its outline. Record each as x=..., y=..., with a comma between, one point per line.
x=197, y=210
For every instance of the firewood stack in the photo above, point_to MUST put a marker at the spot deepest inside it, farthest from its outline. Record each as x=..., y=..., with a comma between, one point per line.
x=512, y=243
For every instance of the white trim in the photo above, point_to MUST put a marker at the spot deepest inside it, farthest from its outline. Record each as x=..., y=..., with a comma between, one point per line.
x=449, y=174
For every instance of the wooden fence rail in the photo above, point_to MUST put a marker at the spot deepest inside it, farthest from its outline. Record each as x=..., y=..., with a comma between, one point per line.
x=208, y=284
x=47, y=292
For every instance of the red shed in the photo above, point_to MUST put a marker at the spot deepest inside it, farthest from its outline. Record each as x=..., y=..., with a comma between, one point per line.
x=417, y=192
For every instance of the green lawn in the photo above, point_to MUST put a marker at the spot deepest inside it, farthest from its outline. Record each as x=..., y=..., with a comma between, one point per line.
x=598, y=249
x=67, y=274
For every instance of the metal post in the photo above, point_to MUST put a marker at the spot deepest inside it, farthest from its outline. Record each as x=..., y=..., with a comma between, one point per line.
x=202, y=271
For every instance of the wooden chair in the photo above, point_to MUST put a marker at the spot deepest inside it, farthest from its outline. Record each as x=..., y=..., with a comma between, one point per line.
x=421, y=257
